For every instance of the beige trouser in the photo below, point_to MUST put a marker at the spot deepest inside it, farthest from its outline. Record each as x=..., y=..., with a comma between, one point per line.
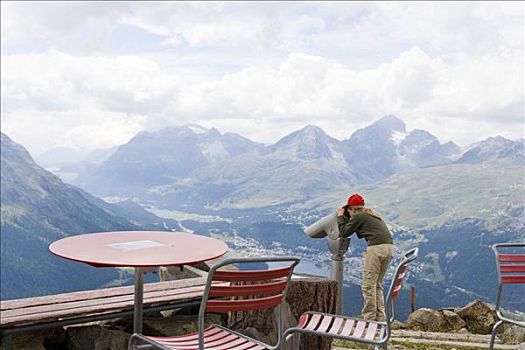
x=377, y=259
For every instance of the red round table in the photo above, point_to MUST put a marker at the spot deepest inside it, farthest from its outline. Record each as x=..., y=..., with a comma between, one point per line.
x=138, y=249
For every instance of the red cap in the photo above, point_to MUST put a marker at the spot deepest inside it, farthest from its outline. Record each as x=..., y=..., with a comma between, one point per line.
x=355, y=200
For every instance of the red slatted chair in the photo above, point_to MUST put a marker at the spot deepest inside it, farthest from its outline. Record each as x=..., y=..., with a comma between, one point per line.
x=354, y=329
x=510, y=260
x=260, y=289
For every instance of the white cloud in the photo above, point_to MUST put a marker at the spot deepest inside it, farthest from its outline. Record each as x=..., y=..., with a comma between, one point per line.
x=81, y=128
x=339, y=30
x=92, y=74
x=58, y=81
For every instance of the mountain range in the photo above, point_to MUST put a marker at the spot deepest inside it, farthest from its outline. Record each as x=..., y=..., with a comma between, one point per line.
x=153, y=159
x=200, y=168
x=452, y=202
x=37, y=208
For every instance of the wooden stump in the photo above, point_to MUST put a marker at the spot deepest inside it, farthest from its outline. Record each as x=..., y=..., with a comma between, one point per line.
x=306, y=293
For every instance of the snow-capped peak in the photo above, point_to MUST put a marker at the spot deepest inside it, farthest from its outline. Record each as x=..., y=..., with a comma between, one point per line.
x=197, y=129
x=397, y=137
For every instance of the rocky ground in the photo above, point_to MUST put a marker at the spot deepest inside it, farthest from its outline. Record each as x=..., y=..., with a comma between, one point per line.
x=465, y=328
x=417, y=340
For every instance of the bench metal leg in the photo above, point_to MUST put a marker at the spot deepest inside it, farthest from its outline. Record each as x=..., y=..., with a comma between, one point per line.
x=493, y=336
x=6, y=342
x=297, y=341
x=139, y=294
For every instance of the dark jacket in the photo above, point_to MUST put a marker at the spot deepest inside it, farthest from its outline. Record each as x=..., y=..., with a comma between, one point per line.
x=366, y=226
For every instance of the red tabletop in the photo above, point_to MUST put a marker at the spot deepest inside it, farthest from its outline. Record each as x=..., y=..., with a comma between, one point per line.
x=138, y=248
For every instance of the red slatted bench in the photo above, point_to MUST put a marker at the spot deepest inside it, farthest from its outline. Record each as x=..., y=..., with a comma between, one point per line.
x=29, y=314
x=510, y=262
x=355, y=329
x=251, y=290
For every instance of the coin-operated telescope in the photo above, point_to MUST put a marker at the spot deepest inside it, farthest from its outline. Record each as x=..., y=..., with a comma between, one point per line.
x=328, y=227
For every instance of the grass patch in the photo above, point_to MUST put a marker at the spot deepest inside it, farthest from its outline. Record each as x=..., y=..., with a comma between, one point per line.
x=419, y=346
x=405, y=345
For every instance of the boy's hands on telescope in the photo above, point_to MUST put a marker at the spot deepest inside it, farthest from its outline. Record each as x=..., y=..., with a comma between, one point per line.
x=340, y=211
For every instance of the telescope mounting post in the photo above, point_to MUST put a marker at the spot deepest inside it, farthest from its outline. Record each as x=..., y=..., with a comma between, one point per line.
x=329, y=228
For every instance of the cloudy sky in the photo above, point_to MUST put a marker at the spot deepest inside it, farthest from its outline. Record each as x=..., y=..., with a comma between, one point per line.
x=93, y=74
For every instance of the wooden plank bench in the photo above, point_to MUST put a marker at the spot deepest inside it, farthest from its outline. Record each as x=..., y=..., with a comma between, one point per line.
x=30, y=314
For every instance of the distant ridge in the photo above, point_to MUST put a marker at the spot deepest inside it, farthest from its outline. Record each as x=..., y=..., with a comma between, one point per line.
x=198, y=167
x=495, y=148
x=37, y=208
x=158, y=158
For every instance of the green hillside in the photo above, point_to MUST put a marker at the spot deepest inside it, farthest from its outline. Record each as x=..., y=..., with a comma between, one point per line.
x=37, y=208
x=454, y=214
x=429, y=198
